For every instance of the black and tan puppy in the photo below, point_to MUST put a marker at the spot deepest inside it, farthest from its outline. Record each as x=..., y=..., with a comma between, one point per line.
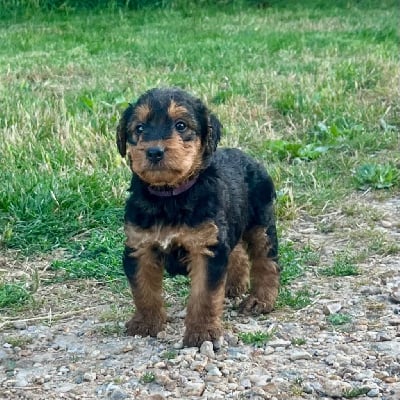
x=193, y=210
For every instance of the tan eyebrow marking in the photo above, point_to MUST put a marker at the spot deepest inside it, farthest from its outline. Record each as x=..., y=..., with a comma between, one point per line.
x=175, y=111
x=142, y=112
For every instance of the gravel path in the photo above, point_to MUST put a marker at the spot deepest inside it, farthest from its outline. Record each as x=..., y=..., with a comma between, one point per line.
x=81, y=354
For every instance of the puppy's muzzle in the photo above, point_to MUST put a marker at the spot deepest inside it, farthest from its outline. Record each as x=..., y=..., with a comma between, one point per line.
x=155, y=154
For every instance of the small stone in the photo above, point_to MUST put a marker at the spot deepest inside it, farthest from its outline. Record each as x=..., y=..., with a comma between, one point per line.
x=198, y=365
x=129, y=347
x=207, y=349
x=163, y=380
x=259, y=380
x=63, y=370
x=21, y=380
x=160, y=365
x=89, y=376
x=178, y=345
x=118, y=394
x=373, y=393
x=20, y=325
x=279, y=343
x=181, y=314
x=217, y=343
x=395, y=296
x=189, y=351
x=269, y=350
x=246, y=383
x=390, y=379
x=214, y=372
x=162, y=335
x=331, y=308
x=383, y=337
x=307, y=388
x=194, y=389
x=300, y=355
x=386, y=224
x=370, y=290
x=335, y=388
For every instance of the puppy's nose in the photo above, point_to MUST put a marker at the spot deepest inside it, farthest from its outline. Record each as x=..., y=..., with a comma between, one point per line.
x=155, y=154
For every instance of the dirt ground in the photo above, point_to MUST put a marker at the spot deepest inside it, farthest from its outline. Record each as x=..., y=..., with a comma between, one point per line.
x=71, y=344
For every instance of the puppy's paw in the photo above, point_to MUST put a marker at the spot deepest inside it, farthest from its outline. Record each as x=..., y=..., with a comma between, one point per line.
x=195, y=336
x=253, y=305
x=138, y=325
x=236, y=289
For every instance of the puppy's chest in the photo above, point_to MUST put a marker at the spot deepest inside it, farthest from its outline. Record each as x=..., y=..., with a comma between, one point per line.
x=166, y=239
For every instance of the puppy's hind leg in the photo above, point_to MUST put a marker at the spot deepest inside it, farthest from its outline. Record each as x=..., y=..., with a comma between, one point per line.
x=237, y=282
x=264, y=273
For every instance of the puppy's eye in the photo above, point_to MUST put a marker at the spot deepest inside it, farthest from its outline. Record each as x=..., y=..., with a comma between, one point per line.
x=180, y=126
x=139, y=129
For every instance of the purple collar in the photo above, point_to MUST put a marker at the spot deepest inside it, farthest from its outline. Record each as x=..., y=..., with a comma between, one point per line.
x=173, y=191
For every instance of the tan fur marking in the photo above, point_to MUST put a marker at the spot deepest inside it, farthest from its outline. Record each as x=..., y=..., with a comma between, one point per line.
x=237, y=281
x=205, y=306
x=182, y=160
x=142, y=113
x=194, y=240
x=176, y=111
x=147, y=293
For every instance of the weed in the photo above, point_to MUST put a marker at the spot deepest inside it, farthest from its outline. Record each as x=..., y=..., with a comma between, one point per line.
x=376, y=176
x=257, y=338
x=355, y=392
x=147, y=377
x=298, y=341
x=178, y=285
x=169, y=354
x=293, y=261
x=296, y=300
x=339, y=319
x=342, y=266
x=19, y=341
x=13, y=295
x=111, y=329
x=289, y=151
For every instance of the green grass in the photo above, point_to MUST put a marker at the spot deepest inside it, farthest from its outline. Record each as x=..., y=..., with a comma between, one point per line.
x=97, y=256
x=13, y=295
x=342, y=266
x=147, y=377
x=339, y=319
x=294, y=299
x=257, y=338
x=355, y=392
x=309, y=89
x=298, y=341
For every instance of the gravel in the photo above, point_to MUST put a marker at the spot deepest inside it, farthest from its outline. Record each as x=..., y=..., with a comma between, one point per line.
x=76, y=357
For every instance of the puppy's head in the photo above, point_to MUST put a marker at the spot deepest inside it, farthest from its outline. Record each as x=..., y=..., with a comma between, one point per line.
x=168, y=135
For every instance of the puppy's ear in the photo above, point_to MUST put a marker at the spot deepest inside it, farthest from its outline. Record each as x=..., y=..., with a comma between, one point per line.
x=122, y=130
x=213, y=134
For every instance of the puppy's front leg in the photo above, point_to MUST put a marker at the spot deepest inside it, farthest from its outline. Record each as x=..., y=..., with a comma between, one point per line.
x=205, y=306
x=145, y=273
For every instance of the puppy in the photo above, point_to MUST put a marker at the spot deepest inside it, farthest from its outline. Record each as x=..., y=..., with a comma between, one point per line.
x=197, y=210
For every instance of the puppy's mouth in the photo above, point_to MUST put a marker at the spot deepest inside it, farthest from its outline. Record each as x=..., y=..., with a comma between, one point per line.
x=166, y=163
